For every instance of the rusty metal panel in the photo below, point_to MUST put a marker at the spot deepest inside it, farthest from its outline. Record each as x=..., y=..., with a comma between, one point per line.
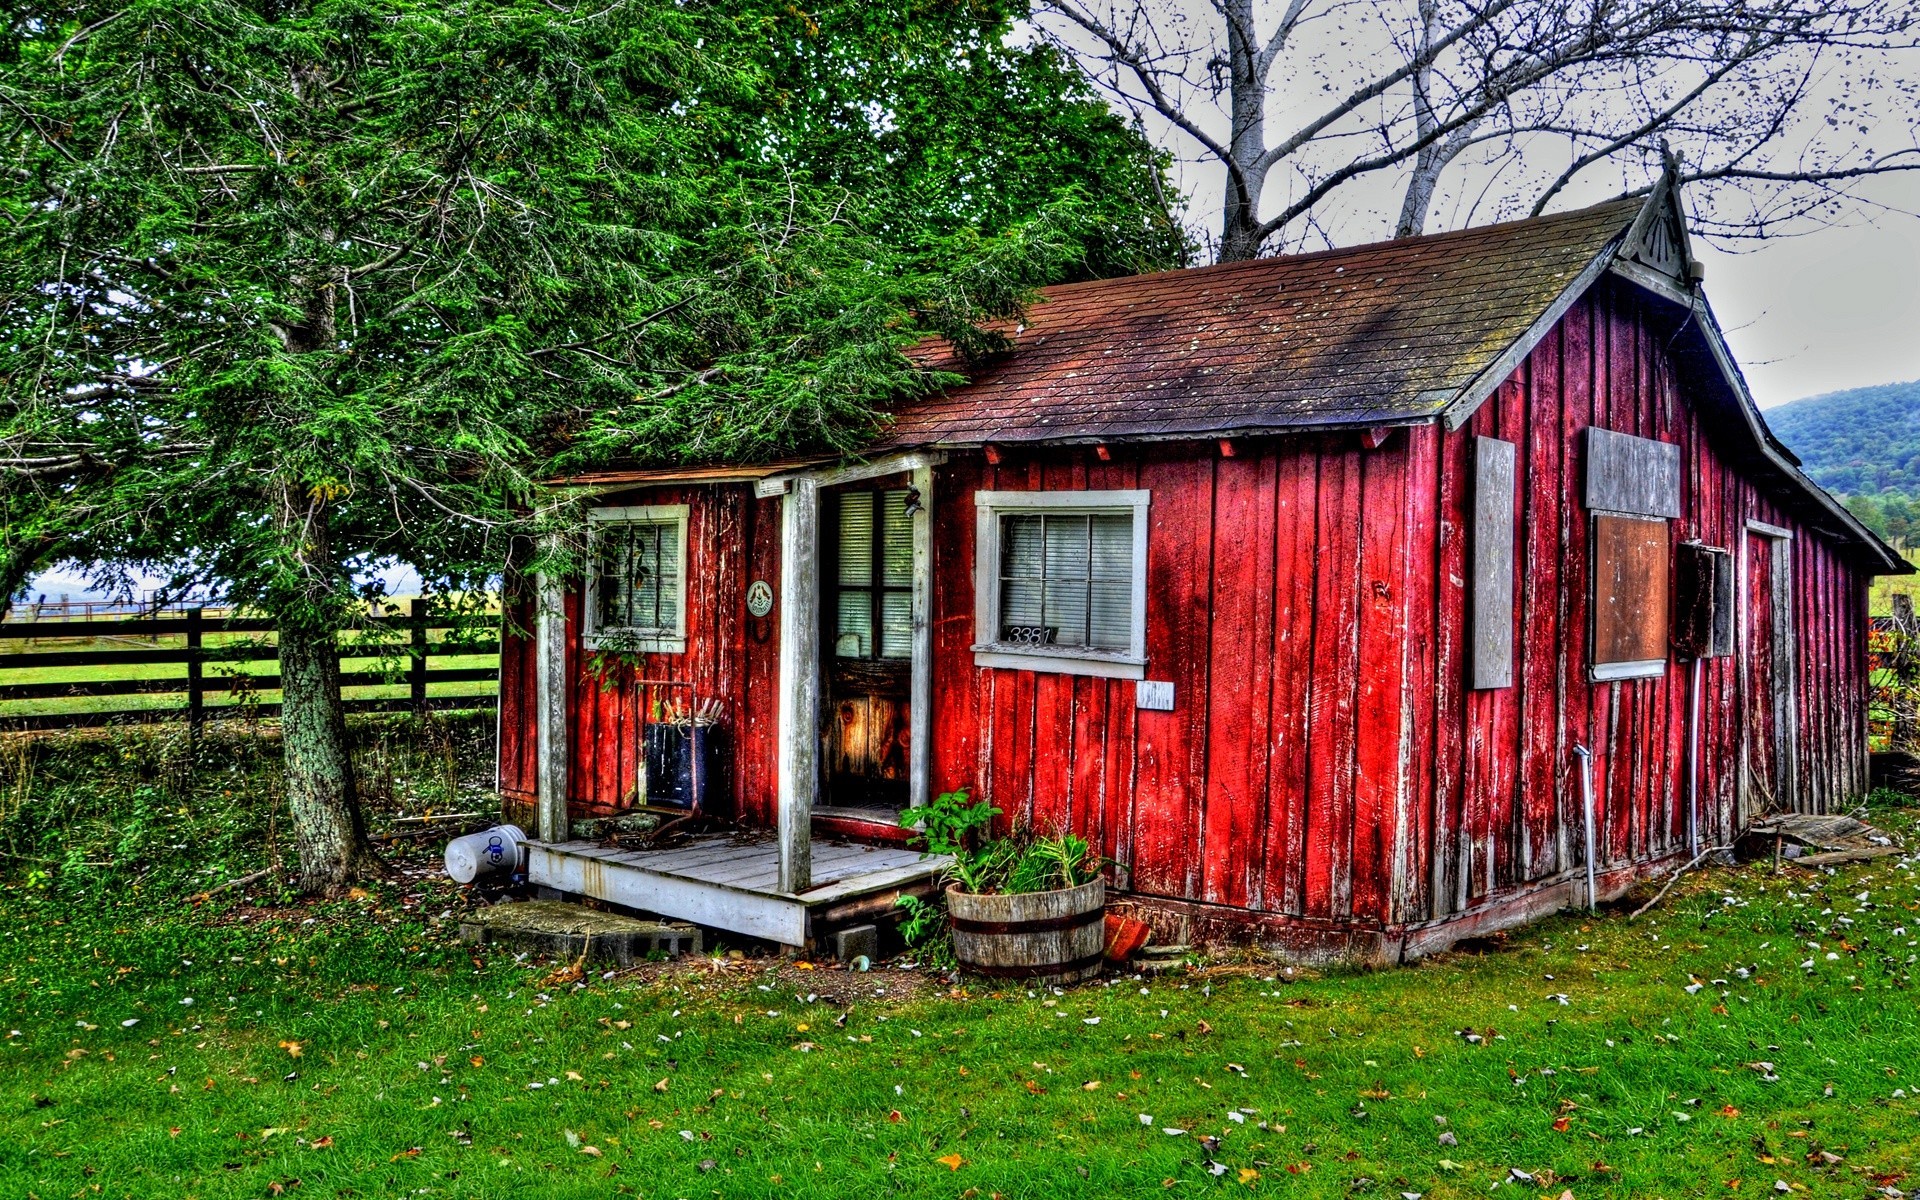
x=1631, y=578
x=1491, y=615
x=1627, y=474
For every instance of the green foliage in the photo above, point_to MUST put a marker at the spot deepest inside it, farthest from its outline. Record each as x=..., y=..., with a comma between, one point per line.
x=1863, y=444
x=924, y=927
x=329, y=283
x=123, y=814
x=955, y=826
x=950, y=823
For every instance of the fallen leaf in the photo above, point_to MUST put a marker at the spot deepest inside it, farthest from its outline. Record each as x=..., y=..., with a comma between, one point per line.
x=324, y=1142
x=292, y=1048
x=661, y=1086
x=411, y=1152
x=952, y=1162
x=477, y=1061
x=593, y=1151
x=1248, y=1174
x=895, y=1117
x=1562, y=1125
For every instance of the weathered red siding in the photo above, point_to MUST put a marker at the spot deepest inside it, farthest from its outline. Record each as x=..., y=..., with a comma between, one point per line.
x=1325, y=764
x=732, y=538
x=1307, y=597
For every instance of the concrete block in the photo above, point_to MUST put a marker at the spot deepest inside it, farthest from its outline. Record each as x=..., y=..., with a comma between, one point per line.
x=569, y=931
x=855, y=940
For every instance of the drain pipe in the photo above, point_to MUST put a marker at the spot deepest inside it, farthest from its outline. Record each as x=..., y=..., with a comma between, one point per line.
x=1586, y=811
x=1693, y=762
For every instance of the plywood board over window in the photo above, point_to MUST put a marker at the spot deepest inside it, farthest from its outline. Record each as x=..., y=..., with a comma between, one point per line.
x=1633, y=486
x=1631, y=570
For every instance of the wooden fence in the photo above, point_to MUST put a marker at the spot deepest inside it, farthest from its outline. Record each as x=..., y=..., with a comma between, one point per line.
x=205, y=660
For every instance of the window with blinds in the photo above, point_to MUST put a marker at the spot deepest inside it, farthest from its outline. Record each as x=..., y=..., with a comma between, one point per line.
x=1060, y=583
x=873, y=604
x=1067, y=580
x=637, y=589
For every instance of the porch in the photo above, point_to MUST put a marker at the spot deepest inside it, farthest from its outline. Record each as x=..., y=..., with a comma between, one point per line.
x=731, y=881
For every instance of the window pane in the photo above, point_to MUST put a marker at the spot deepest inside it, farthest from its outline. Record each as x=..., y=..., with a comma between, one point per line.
x=1066, y=611
x=666, y=585
x=1113, y=547
x=896, y=625
x=1020, y=612
x=855, y=628
x=1111, y=622
x=1067, y=555
x=1020, y=552
x=856, y=539
x=896, y=543
x=638, y=576
x=646, y=577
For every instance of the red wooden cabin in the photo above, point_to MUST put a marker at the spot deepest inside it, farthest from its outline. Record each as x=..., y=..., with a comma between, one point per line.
x=1297, y=586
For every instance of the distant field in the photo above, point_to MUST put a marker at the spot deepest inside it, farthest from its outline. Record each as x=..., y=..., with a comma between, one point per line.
x=1880, y=598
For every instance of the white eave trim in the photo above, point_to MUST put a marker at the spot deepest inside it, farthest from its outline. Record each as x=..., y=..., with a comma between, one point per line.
x=854, y=472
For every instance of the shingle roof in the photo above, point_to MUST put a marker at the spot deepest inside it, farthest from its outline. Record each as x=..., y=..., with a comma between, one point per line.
x=1370, y=335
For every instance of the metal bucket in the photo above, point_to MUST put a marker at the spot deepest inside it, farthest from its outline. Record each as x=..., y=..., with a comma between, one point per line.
x=490, y=855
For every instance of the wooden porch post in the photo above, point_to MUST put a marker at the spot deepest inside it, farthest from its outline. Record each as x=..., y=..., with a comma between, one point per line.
x=920, y=685
x=550, y=706
x=799, y=710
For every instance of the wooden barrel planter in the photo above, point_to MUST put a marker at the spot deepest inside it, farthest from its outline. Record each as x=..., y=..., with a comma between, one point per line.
x=1052, y=937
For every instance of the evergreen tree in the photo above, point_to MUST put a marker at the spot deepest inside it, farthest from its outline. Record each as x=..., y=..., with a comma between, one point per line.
x=292, y=288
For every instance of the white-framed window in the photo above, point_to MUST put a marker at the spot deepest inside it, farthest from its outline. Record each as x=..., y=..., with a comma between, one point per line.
x=1060, y=582
x=637, y=579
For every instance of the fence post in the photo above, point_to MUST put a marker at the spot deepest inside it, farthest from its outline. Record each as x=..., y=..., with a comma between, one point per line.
x=196, y=684
x=417, y=663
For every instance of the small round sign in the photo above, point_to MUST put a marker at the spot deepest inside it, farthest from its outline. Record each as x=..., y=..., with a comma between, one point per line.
x=759, y=597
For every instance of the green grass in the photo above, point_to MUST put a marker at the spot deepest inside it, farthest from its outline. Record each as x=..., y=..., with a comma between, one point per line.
x=417, y=1061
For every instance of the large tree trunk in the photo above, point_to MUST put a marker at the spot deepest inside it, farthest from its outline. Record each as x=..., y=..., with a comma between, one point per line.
x=1240, y=237
x=328, y=829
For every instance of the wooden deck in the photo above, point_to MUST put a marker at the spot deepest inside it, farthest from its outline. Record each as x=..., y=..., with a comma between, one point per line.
x=731, y=881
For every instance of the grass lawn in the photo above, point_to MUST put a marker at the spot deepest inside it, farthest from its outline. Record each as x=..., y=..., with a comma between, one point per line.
x=1754, y=1029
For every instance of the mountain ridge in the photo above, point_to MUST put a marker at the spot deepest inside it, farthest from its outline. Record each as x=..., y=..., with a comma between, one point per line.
x=1863, y=445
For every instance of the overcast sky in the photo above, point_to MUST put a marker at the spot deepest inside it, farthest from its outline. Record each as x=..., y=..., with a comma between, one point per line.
x=1836, y=308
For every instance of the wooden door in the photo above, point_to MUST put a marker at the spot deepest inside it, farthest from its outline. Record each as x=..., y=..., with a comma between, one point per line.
x=869, y=644
x=1767, y=670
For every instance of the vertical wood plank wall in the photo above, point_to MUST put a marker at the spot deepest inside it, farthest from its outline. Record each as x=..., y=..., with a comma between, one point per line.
x=1307, y=598
x=732, y=539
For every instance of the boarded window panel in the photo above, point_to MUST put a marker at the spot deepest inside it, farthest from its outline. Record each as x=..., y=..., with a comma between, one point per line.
x=1631, y=577
x=1627, y=474
x=1492, y=599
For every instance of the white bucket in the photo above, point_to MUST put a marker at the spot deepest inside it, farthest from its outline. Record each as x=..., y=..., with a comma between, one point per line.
x=490, y=854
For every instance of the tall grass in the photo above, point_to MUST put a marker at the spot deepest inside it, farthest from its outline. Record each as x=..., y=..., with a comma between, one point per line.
x=119, y=812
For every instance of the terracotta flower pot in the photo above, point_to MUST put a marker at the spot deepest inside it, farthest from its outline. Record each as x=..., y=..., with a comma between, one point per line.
x=1051, y=937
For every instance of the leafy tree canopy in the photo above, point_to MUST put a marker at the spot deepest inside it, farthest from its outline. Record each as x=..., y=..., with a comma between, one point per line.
x=289, y=287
